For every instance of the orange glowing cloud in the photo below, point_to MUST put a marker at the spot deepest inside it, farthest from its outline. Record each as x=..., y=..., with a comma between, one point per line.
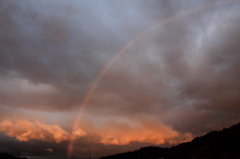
x=146, y=131
x=24, y=130
x=49, y=150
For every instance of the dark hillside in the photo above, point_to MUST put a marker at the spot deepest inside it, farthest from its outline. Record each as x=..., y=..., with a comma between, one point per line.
x=223, y=144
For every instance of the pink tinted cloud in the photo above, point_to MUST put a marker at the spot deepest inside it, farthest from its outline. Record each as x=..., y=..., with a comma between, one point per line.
x=23, y=130
x=144, y=131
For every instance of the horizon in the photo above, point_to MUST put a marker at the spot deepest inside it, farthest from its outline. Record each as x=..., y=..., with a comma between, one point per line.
x=81, y=77
x=30, y=155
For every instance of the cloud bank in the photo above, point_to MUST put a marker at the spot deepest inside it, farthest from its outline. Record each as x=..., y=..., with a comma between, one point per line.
x=24, y=130
x=144, y=131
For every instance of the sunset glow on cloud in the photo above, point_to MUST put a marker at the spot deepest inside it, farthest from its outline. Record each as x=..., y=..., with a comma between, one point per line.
x=146, y=131
x=24, y=130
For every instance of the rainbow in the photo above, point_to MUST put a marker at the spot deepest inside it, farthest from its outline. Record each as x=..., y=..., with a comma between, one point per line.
x=126, y=47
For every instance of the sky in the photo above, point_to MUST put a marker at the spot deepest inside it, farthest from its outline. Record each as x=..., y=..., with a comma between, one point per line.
x=105, y=77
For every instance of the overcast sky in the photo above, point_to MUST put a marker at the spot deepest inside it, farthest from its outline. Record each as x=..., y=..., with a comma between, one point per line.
x=128, y=73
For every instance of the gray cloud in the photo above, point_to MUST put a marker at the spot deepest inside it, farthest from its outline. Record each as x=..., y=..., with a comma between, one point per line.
x=183, y=74
x=66, y=44
x=186, y=73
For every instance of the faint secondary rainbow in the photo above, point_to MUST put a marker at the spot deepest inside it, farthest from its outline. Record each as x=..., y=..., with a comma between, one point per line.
x=120, y=52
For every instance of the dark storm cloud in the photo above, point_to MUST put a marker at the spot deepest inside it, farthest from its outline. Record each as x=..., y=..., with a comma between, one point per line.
x=66, y=44
x=181, y=78
x=186, y=73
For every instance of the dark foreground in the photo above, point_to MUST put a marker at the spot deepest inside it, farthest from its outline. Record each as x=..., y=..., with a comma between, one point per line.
x=223, y=144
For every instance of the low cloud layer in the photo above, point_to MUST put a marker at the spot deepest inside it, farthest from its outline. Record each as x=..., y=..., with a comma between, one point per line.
x=144, y=131
x=49, y=150
x=111, y=133
x=24, y=130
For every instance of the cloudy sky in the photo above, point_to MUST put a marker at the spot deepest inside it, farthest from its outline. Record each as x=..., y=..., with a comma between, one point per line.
x=104, y=77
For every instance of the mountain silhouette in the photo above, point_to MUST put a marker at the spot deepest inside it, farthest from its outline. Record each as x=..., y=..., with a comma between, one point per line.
x=8, y=156
x=224, y=144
